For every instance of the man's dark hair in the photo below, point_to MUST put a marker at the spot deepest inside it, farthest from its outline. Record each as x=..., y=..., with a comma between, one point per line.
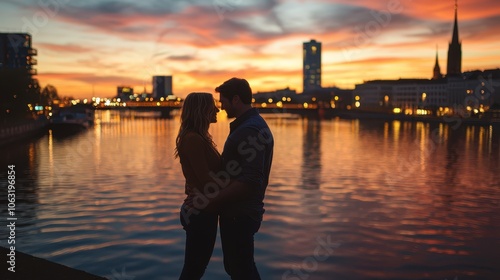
x=236, y=86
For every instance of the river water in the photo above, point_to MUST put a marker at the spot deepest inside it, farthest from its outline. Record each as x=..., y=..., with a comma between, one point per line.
x=347, y=199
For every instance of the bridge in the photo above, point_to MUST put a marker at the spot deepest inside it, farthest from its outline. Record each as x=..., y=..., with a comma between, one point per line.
x=166, y=107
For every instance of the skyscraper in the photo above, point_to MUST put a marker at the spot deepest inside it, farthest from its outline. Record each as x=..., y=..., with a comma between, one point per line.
x=18, y=88
x=312, y=65
x=162, y=86
x=454, y=66
x=16, y=52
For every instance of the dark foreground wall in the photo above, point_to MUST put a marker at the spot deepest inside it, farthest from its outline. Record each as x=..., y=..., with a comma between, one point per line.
x=28, y=267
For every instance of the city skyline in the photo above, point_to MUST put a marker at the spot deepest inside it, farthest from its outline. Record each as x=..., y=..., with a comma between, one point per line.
x=88, y=49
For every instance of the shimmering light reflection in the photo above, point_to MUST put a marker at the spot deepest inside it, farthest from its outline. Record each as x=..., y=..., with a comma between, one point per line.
x=51, y=153
x=398, y=203
x=490, y=138
x=396, y=126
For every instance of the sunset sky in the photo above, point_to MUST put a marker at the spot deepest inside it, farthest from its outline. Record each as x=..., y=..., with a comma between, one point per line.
x=88, y=48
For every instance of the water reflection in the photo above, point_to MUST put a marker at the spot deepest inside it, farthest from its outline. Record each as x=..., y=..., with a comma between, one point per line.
x=403, y=200
x=311, y=155
x=24, y=157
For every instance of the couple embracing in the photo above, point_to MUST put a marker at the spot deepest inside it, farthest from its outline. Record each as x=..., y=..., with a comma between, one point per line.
x=226, y=190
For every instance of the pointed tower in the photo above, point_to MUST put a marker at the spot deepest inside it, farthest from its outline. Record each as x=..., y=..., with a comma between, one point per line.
x=454, y=66
x=437, y=70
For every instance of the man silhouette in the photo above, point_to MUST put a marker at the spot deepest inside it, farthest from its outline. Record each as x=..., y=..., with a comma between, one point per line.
x=247, y=158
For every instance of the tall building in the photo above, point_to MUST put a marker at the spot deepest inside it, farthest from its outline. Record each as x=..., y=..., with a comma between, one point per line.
x=16, y=52
x=454, y=67
x=437, y=70
x=162, y=86
x=312, y=65
x=18, y=88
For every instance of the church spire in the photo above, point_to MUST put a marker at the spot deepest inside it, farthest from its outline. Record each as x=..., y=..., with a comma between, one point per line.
x=454, y=38
x=454, y=66
x=437, y=70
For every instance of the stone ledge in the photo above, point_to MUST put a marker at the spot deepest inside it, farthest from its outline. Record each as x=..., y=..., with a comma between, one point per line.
x=29, y=267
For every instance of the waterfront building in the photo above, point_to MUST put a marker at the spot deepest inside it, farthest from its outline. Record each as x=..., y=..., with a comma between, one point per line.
x=283, y=95
x=18, y=87
x=162, y=86
x=125, y=93
x=474, y=91
x=311, y=65
x=406, y=94
x=16, y=53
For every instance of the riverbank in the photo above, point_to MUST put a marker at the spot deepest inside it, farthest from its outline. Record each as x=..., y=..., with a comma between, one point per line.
x=30, y=267
x=21, y=129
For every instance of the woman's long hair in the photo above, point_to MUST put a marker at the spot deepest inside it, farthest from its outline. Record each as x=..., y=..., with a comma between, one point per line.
x=196, y=115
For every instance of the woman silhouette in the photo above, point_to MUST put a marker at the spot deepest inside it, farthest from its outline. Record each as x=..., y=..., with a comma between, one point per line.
x=198, y=157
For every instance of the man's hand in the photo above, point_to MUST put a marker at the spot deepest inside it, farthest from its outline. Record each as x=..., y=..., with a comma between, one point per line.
x=200, y=201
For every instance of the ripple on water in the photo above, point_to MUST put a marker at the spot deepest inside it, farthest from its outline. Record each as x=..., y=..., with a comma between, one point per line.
x=387, y=208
